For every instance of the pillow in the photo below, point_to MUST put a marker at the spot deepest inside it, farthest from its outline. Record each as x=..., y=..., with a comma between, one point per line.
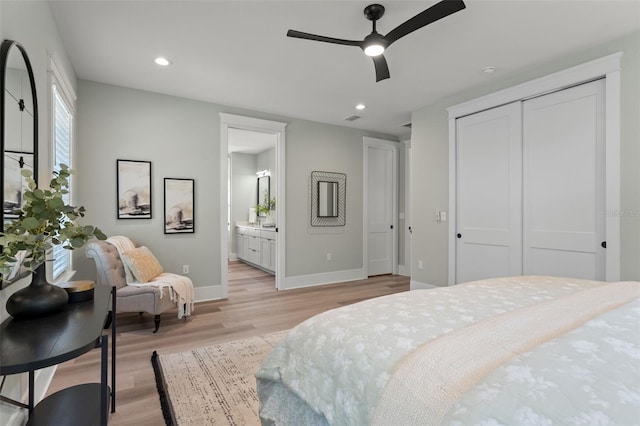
x=143, y=264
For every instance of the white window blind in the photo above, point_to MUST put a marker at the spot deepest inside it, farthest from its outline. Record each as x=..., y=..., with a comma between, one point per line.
x=62, y=136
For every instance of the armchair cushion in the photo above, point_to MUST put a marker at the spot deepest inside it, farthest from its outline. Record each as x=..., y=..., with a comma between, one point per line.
x=142, y=263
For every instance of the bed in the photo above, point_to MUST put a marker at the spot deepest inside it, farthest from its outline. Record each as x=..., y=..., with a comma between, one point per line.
x=515, y=350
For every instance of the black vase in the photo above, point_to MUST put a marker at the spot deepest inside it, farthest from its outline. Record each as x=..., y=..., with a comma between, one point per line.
x=38, y=299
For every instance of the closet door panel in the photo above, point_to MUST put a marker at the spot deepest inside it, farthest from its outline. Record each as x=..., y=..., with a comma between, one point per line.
x=563, y=147
x=489, y=186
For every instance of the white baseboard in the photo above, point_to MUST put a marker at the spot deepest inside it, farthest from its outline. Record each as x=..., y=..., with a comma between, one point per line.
x=417, y=285
x=302, y=281
x=233, y=257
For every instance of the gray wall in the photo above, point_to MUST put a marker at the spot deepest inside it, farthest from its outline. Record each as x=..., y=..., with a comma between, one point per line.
x=430, y=159
x=318, y=147
x=181, y=139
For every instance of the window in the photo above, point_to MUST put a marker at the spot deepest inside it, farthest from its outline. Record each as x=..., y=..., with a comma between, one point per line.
x=62, y=139
x=62, y=125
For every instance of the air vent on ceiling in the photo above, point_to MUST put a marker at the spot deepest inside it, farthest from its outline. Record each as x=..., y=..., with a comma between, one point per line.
x=352, y=118
x=408, y=125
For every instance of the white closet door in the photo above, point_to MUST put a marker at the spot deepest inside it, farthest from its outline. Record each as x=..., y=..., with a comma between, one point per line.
x=380, y=205
x=564, y=179
x=489, y=188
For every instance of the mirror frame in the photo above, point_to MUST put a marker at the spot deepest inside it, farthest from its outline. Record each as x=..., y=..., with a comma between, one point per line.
x=317, y=220
x=5, y=50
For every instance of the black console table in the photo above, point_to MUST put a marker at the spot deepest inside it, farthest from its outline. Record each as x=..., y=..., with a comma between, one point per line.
x=29, y=345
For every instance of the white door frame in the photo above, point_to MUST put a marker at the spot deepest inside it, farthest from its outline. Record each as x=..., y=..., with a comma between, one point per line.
x=607, y=67
x=276, y=128
x=380, y=143
x=406, y=181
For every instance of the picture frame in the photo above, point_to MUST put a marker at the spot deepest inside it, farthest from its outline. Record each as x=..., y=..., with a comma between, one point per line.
x=133, y=189
x=328, y=195
x=179, y=206
x=14, y=183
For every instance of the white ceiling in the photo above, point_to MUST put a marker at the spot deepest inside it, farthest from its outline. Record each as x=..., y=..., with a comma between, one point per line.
x=249, y=142
x=236, y=53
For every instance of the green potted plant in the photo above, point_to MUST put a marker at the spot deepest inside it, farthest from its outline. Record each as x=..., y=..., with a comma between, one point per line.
x=43, y=221
x=268, y=204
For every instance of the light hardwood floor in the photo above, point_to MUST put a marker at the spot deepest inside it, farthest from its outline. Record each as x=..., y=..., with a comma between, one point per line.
x=254, y=307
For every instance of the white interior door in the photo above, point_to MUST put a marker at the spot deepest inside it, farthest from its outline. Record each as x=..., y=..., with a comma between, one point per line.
x=489, y=188
x=564, y=177
x=380, y=207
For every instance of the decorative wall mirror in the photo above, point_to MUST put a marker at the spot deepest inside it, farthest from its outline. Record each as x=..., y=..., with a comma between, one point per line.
x=18, y=124
x=264, y=193
x=328, y=199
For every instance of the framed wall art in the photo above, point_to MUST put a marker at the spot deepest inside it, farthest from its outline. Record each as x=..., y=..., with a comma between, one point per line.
x=14, y=183
x=179, y=206
x=134, y=189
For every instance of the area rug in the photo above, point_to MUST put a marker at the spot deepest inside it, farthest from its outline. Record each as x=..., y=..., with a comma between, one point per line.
x=212, y=385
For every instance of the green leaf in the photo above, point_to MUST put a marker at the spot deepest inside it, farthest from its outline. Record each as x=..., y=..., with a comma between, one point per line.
x=56, y=204
x=30, y=223
x=77, y=242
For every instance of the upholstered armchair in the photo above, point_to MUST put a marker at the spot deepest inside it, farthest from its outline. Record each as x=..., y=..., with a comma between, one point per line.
x=110, y=271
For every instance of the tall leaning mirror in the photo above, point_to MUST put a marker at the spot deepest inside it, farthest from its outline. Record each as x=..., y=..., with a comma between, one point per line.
x=18, y=125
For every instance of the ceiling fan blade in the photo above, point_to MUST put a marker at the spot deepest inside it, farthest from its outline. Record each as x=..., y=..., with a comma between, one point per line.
x=307, y=36
x=382, y=69
x=437, y=11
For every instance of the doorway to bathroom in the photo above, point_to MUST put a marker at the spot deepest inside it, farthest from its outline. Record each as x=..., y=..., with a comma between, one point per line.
x=252, y=163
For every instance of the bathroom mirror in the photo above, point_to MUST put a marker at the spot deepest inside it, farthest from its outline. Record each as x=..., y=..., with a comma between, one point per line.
x=327, y=199
x=18, y=124
x=264, y=192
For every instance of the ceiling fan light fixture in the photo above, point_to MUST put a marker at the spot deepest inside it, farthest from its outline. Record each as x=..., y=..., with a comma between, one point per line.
x=374, y=49
x=374, y=44
x=163, y=62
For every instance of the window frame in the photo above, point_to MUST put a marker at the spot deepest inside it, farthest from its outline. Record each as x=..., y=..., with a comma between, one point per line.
x=60, y=88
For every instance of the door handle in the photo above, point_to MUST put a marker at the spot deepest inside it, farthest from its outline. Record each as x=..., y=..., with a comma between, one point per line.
x=391, y=227
x=603, y=244
x=459, y=235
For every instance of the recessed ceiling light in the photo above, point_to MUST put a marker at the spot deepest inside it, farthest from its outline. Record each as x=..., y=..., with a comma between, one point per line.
x=162, y=61
x=489, y=70
x=361, y=106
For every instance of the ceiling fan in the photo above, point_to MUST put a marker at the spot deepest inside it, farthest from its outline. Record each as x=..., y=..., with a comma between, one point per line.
x=375, y=44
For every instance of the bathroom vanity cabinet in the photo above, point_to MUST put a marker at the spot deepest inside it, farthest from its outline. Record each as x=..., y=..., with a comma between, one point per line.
x=257, y=246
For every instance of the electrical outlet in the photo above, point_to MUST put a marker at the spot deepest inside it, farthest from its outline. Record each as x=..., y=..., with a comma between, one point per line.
x=328, y=257
x=185, y=269
x=420, y=264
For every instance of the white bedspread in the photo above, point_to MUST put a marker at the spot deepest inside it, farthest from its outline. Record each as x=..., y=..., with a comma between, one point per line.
x=334, y=367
